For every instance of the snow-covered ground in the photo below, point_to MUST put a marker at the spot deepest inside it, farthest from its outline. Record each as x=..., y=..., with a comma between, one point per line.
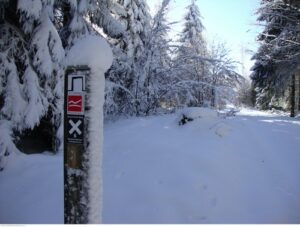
x=31, y=190
x=243, y=169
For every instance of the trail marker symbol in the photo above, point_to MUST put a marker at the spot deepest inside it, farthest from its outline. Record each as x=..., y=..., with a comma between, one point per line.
x=75, y=127
x=75, y=104
x=76, y=83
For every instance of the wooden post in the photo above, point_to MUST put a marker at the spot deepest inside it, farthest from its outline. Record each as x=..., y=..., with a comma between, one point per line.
x=75, y=143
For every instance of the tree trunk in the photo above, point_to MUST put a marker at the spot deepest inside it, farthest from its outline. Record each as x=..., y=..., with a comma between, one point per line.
x=292, y=96
x=213, y=97
x=66, y=13
x=297, y=92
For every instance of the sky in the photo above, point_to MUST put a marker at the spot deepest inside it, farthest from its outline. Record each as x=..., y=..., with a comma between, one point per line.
x=229, y=21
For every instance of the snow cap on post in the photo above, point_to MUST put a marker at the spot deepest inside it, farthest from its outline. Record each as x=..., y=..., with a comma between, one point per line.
x=93, y=51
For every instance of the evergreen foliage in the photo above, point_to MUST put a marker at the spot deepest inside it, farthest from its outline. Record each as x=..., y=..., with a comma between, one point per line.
x=278, y=56
x=127, y=73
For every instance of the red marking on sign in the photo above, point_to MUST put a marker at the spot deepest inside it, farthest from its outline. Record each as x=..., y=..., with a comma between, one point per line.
x=75, y=103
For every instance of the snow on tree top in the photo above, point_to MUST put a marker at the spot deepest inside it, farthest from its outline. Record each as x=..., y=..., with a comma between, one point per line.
x=93, y=51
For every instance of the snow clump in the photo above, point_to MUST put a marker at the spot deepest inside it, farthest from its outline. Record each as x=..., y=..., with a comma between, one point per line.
x=192, y=113
x=93, y=51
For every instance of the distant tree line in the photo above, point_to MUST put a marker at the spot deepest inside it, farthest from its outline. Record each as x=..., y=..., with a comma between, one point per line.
x=151, y=73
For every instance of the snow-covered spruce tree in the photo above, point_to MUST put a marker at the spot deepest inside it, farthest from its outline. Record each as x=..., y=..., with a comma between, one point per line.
x=191, y=60
x=278, y=56
x=13, y=100
x=24, y=93
x=47, y=55
x=126, y=75
x=264, y=67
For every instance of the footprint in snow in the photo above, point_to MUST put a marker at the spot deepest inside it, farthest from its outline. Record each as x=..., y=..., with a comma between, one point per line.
x=222, y=130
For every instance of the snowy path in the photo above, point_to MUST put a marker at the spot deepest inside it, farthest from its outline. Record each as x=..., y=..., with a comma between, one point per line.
x=240, y=170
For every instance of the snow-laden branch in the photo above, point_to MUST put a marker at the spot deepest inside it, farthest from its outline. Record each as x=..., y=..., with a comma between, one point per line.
x=111, y=85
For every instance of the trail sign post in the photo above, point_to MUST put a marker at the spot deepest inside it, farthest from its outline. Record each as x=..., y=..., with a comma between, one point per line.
x=75, y=143
x=83, y=128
